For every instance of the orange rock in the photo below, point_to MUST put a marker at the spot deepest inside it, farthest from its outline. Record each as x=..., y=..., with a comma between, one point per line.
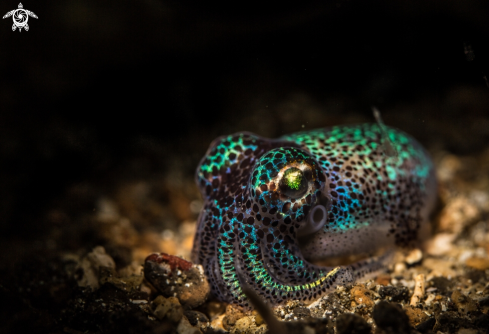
x=383, y=279
x=479, y=263
x=362, y=296
x=416, y=316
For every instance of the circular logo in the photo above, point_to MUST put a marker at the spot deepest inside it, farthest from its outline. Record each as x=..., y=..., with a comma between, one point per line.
x=20, y=17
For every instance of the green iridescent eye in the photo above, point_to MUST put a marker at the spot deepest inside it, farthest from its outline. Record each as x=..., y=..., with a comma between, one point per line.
x=293, y=183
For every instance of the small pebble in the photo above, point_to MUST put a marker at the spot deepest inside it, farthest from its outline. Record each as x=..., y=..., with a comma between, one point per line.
x=215, y=308
x=361, y=296
x=399, y=268
x=395, y=293
x=244, y=325
x=458, y=213
x=184, y=327
x=233, y=314
x=464, y=303
x=302, y=312
x=162, y=308
x=173, y=276
x=431, y=297
x=169, y=308
x=90, y=267
x=415, y=315
x=216, y=323
x=440, y=244
x=176, y=311
x=415, y=256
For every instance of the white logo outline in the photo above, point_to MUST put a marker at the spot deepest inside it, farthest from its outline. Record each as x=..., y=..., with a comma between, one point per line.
x=20, y=16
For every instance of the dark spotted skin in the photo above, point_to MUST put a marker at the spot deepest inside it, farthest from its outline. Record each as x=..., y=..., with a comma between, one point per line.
x=248, y=229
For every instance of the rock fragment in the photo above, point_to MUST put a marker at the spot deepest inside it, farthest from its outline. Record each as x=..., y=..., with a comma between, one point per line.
x=89, y=267
x=233, y=314
x=414, y=257
x=394, y=293
x=169, y=308
x=184, y=327
x=415, y=315
x=216, y=324
x=128, y=283
x=463, y=303
x=246, y=325
x=173, y=276
x=440, y=244
x=361, y=296
x=457, y=214
x=419, y=288
x=302, y=312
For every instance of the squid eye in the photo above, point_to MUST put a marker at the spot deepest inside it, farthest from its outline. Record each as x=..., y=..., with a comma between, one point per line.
x=293, y=183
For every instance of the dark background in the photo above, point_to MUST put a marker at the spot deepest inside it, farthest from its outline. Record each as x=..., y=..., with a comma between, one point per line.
x=94, y=85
